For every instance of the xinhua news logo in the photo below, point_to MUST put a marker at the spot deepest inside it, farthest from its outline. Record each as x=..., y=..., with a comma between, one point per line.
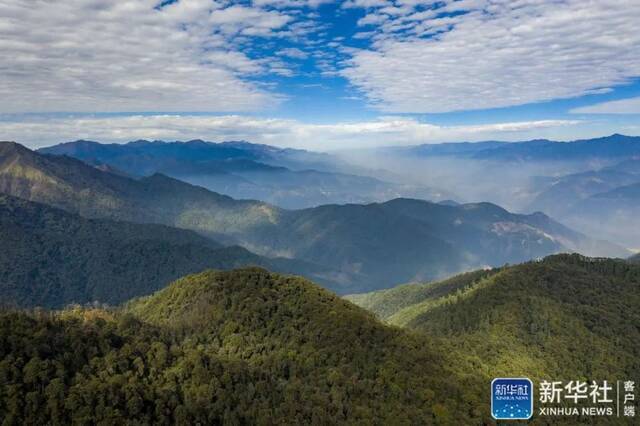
x=511, y=399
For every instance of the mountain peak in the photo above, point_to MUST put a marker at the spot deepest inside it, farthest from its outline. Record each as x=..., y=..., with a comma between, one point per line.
x=11, y=152
x=9, y=147
x=211, y=291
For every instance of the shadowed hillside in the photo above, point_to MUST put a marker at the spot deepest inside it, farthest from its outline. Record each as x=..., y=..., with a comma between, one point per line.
x=51, y=258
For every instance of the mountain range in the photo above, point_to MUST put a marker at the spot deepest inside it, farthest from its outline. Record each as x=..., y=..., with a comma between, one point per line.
x=616, y=210
x=288, y=178
x=366, y=246
x=585, y=184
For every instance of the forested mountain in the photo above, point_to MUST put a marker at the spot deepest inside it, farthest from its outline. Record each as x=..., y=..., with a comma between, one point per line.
x=370, y=246
x=635, y=258
x=410, y=239
x=51, y=258
x=566, y=317
x=241, y=347
x=284, y=177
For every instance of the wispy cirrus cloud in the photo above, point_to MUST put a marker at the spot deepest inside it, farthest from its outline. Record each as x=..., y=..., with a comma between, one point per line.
x=39, y=131
x=478, y=54
x=134, y=55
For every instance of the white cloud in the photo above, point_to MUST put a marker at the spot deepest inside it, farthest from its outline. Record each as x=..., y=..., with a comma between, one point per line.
x=37, y=132
x=354, y=4
x=293, y=52
x=129, y=55
x=244, y=20
x=285, y=4
x=622, y=106
x=372, y=19
x=498, y=53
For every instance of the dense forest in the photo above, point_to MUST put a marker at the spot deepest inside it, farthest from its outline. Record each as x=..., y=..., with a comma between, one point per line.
x=254, y=347
x=387, y=303
x=241, y=347
x=104, y=260
x=566, y=316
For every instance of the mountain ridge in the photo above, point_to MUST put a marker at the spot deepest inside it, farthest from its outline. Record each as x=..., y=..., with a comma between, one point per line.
x=611, y=146
x=286, y=177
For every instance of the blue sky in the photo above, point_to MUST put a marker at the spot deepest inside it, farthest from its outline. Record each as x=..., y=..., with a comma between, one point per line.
x=317, y=74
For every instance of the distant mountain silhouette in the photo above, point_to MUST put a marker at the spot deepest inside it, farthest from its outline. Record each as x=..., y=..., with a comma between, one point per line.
x=610, y=147
x=615, y=146
x=285, y=177
x=604, y=202
x=614, y=213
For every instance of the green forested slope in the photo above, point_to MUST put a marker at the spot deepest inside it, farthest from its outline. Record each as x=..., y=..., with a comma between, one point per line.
x=240, y=347
x=566, y=317
x=386, y=303
x=51, y=258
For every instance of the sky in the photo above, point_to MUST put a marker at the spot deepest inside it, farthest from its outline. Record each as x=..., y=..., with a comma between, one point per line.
x=317, y=74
